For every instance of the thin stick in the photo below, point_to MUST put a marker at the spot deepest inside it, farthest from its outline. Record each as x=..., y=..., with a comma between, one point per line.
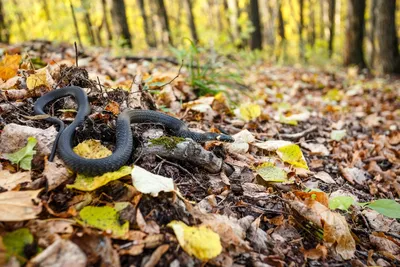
x=76, y=54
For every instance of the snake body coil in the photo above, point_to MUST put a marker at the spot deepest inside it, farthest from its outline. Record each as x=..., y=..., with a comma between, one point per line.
x=124, y=138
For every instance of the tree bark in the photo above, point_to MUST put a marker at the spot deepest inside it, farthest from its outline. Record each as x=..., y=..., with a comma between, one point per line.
x=322, y=19
x=164, y=20
x=192, y=25
x=4, y=33
x=388, y=59
x=148, y=31
x=256, y=37
x=105, y=21
x=301, y=26
x=311, y=32
x=281, y=23
x=331, y=17
x=88, y=22
x=372, y=31
x=121, y=27
x=353, y=53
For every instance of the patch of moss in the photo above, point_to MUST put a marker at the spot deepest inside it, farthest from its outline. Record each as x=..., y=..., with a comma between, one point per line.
x=167, y=142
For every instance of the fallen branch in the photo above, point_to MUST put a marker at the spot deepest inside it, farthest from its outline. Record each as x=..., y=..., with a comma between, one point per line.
x=299, y=135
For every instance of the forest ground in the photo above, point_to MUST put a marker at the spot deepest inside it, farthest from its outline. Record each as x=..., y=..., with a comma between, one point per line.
x=309, y=200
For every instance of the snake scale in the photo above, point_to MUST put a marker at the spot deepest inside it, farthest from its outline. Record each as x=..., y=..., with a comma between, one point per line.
x=124, y=138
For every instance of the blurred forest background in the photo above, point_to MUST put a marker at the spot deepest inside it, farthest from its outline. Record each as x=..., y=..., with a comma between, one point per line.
x=341, y=32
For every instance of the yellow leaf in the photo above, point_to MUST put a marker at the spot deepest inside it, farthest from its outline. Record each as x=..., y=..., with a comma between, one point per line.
x=37, y=79
x=292, y=154
x=9, y=66
x=250, y=111
x=90, y=183
x=270, y=173
x=201, y=242
x=92, y=149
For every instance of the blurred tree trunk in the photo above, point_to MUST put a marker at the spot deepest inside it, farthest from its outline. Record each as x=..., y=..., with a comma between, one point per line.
x=301, y=27
x=4, y=33
x=353, y=52
x=372, y=30
x=227, y=14
x=148, y=31
x=234, y=13
x=46, y=10
x=311, y=31
x=331, y=16
x=121, y=27
x=20, y=20
x=322, y=20
x=105, y=21
x=192, y=25
x=88, y=22
x=256, y=37
x=387, y=51
x=281, y=23
x=162, y=11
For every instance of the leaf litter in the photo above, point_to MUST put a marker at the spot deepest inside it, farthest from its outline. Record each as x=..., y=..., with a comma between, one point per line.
x=329, y=129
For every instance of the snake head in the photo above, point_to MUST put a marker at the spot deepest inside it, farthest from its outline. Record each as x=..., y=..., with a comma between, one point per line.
x=219, y=137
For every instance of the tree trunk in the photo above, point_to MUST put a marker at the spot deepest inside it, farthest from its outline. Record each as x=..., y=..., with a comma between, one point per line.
x=234, y=13
x=256, y=37
x=322, y=20
x=192, y=25
x=388, y=60
x=148, y=31
x=353, y=53
x=4, y=33
x=46, y=10
x=121, y=27
x=372, y=31
x=164, y=20
x=88, y=22
x=331, y=17
x=281, y=23
x=311, y=31
x=78, y=35
x=105, y=21
x=301, y=26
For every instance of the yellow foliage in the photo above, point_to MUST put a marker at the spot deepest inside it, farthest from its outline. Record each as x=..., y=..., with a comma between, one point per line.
x=92, y=149
x=292, y=154
x=250, y=111
x=201, y=242
x=9, y=66
x=37, y=79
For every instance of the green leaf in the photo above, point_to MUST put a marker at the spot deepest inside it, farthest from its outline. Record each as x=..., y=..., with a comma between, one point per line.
x=292, y=154
x=387, y=207
x=271, y=173
x=90, y=183
x=16, y=241
x=23, y=157
x=341, y=202
x=104, y=218
x=338, y=135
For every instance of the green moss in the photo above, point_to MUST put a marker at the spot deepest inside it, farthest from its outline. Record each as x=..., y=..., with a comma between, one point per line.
x=167, y=142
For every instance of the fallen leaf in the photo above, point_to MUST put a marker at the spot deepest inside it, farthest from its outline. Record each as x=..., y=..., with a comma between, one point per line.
x=9, y=66
x=15, y=243
x=90, y=183
x=292, y=154
x=92, y=149
x=325, y=177
x=271, y=173
x=41, y=77
x=272, y=145
x=104, y=218
x=149, y=183
x=249, y=111
x=316, y=149
x=338, y=135
x=24, y=156
x=19, y=205
x=10, y=180
x=200, y=242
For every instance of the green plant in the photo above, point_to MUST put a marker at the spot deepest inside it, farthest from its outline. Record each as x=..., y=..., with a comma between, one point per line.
x=205, y=78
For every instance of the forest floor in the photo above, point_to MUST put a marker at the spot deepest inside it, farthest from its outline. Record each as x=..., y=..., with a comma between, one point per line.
x=311, y=179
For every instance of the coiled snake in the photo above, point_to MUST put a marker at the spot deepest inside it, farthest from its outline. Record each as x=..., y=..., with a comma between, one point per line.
x=124, y=139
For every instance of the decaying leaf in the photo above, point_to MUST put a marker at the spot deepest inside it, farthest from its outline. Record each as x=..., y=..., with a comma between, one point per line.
x=149, y=183
x=200, y=242
x=19, y=205
x=10, y=180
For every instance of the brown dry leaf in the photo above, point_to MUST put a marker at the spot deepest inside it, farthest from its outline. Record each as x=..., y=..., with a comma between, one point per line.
x=60, y=253
x=9, y=66
x=150, y=227
x=320, y=252
x=384, y=243
x=321, y=197
x=354, y=175
x=19, y=205
x=156, y=256
x=336, y=229
x=55, y=172
x=113, y=107
x=316, y=149
x=10, y=180
x=323, y=176
x=47, y=230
